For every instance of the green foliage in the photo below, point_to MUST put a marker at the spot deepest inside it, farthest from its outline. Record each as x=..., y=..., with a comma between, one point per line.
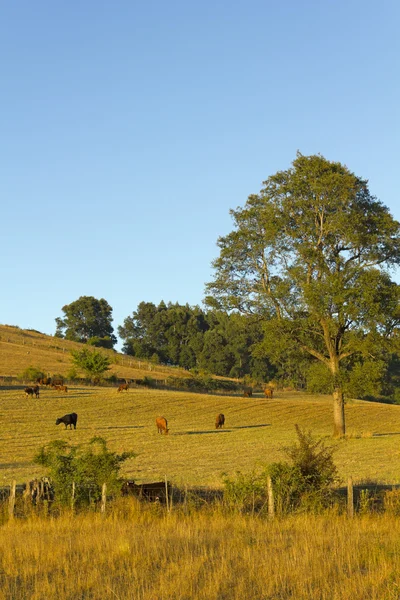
x=215, y=342
x=202, y=383
x=246, y=492
x=365, y=379
x=88, y=467
x=101, y=342
x=148, y=382
x=31, y=374
x=319, y=379
x=313, y=459
x=304, y=483
x=93, y=363
x=72, y=374
x=309, y=254
x=87, y=319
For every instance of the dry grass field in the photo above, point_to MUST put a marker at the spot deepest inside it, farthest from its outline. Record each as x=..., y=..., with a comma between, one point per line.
x=138, y=553
x=142, y=552
x=194, y=452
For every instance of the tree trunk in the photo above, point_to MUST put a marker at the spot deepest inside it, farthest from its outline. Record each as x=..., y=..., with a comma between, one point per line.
x=339, y=427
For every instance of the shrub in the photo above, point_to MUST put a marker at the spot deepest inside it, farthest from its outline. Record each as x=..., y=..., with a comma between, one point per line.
x=202, y=383
x=31, y=374
x=304, y=483
x=87, y=467
x=246, y=492
x=149, y=382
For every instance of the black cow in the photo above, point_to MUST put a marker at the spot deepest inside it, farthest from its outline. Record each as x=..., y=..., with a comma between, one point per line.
x=36, y=390
x=70, y=420
x=29, y=391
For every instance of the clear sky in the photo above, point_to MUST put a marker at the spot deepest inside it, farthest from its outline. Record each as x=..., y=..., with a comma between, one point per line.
x=129, y=129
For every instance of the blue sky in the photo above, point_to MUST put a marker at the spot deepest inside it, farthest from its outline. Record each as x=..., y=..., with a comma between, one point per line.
x=129, y=129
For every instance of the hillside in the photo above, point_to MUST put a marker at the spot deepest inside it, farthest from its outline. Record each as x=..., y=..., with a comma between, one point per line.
x=194, y=453
x=22, y=348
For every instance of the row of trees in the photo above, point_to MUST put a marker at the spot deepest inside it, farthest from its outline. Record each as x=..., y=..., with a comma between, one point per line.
x=303, y=282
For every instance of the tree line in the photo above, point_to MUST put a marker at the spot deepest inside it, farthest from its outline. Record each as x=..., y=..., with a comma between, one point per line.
x=231, y=345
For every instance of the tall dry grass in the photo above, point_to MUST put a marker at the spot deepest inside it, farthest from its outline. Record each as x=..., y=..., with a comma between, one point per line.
x=142, y=553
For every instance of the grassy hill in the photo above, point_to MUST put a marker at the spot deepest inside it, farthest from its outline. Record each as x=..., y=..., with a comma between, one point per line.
x=194, y=453
x=22, y=348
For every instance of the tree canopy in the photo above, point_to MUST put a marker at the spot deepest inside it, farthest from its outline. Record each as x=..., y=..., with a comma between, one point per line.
x=311, y=256
x=87, y=320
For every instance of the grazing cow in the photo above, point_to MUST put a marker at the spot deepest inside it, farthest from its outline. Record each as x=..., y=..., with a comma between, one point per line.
x=269, y=392
x=123, y=386
x=247, y=393
x=36, y=390
x=70, y=420
x=56, y=382
x=162, y=425
x=29, y=391
x=219, y=421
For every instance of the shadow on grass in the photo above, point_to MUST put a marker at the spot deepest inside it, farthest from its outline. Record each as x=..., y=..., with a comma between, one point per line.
x=122, y=427
x=386, y=434
x=227, y=430
x=251, y=426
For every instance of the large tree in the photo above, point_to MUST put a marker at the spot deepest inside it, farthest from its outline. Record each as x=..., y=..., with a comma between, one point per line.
x=87, y=320
x=312, y=253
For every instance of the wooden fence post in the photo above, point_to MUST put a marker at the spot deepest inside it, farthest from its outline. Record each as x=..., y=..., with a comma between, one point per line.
x=271, y=502
x=103, y=498
x=166, y=493
x=350, y=498
x=11, y=504
x=73, y=496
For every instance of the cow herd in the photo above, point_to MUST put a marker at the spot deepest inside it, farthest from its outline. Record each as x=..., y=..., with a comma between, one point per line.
x=71, y=419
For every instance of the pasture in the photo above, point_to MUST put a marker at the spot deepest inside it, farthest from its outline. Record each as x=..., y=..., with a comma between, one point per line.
x=195, y=453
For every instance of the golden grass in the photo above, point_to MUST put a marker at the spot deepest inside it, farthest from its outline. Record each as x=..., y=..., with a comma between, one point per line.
x=195, y=453
x=138, y=554
x=21, y=348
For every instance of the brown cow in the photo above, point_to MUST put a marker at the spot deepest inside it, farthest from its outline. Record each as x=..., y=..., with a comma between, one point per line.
x=122, y=387
x=269, y=392
x=29, y=391
x=60, y=388
x=162, y=425
x=247, y=393
x=219, y=421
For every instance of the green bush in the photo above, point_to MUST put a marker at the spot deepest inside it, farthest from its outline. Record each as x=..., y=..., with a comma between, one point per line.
x=304, y=483
x=87, y=467
x=246, y=492
x=202, y=383
x=31, y=374
x=149, y=382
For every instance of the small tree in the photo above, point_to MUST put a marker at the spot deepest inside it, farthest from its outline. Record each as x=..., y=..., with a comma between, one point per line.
x=93, y=363
x=87, y=467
